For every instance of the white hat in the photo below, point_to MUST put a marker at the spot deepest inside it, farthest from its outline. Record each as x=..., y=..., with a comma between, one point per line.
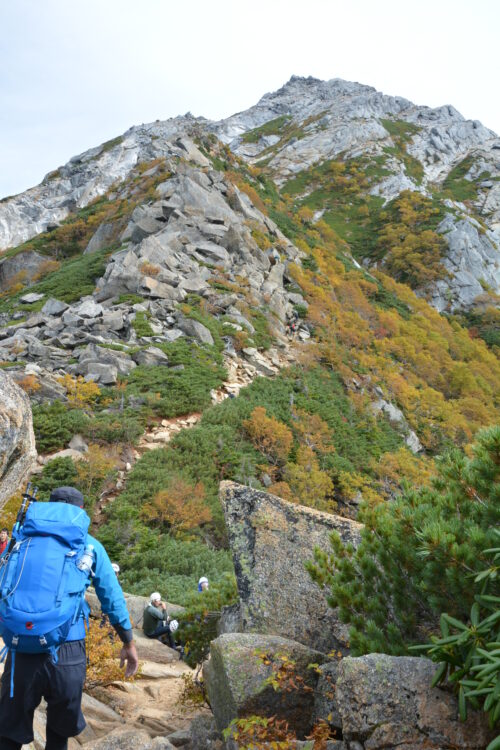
x=203, y=580
x=155, y=596
x=115, y=567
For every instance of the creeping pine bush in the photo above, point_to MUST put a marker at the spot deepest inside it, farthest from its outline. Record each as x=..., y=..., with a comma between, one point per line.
x=468, y=653
x=184, y=386
x=87, y=475
x=54, y=425
x=198, y=624
x=418, y=554
x=74, y=279
x=151, y=561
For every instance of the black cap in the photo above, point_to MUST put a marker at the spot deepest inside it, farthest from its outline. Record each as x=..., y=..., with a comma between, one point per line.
x=67, y=495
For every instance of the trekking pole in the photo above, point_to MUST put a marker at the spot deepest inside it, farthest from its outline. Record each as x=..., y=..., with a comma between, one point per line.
x=28, y=497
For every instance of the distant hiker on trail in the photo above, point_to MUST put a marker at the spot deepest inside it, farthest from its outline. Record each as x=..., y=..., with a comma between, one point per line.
x=4, y=540
x=158, y=624
x=44, y=574
x=292, y=325
x=203, y=584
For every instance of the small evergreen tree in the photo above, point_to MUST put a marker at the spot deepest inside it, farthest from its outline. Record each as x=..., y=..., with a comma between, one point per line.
x=418, y=554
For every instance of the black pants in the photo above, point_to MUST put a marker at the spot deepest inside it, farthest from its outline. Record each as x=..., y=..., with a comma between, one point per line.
x=54, y=742
x=36, y=677
x=159, y=632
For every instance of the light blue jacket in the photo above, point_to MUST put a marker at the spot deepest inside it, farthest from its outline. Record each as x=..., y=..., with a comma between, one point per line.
x=109, y=593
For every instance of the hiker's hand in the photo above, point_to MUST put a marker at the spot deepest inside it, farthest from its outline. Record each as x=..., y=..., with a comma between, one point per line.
x=129, y=654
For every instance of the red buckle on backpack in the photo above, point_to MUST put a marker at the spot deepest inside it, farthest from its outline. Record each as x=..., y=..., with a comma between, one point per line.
x=29, y=626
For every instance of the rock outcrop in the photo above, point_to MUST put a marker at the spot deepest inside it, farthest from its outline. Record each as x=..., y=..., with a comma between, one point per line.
x=270, y=541
x=387, y=702
x=21, y=267
x=238, y=674
x=17, y=441
x=473, y=263
x=197, y=237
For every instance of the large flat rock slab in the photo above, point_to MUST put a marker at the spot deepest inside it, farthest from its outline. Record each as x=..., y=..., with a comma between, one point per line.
x=270, y=540
x=153, y=650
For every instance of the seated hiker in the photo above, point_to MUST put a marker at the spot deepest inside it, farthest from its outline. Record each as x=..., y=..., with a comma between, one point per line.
x=156, y=623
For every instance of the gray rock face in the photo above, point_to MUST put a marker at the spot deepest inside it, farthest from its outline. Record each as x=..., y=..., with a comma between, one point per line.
x=473, y=262
x=28, y=299
x=196, y=330
x=89, y=309
x=101, y=239
x=325, y=696
x=97, y=359
x=397, y=417
x=23, y=266
x=236, y=674
x=54, y=307
x=230, y=620
x=153, y=650
x=345, y=116
x=204, y=733
x=151, y=356
x=270, y=541
x=387, y=702
x=17, y=441
x=342, y=118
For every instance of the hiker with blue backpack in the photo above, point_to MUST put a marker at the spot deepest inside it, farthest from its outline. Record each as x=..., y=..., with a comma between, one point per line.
x=44, y=573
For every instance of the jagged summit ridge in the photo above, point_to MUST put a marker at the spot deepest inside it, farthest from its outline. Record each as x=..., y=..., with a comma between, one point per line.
x=85, y=177
x=346, y=119
x=305, y=123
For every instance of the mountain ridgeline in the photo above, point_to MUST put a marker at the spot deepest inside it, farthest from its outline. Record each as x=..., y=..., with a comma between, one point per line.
x=328, y=258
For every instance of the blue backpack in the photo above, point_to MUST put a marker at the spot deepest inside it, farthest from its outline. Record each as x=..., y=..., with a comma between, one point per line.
x=42, y=591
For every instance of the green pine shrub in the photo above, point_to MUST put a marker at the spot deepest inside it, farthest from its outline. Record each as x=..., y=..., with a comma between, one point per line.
x=218, y=447
x=115, y=426
x=456, y=186
x=55, y=424
x=171, y=392
x=141, y=325
x=150, y=561
x=468, y=652
x=60, y=472
x=272, y=127
x=198, y=625
x=417, y=554
x=74, y=279
x=88, y=476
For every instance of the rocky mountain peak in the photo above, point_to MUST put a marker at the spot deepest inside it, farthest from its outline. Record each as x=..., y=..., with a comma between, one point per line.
x=290, y=132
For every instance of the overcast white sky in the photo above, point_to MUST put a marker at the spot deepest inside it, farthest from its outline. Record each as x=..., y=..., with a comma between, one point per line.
x=74, y=73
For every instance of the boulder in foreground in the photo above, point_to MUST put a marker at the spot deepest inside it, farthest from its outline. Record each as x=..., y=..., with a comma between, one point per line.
x=387, y=702
x=238, y=679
